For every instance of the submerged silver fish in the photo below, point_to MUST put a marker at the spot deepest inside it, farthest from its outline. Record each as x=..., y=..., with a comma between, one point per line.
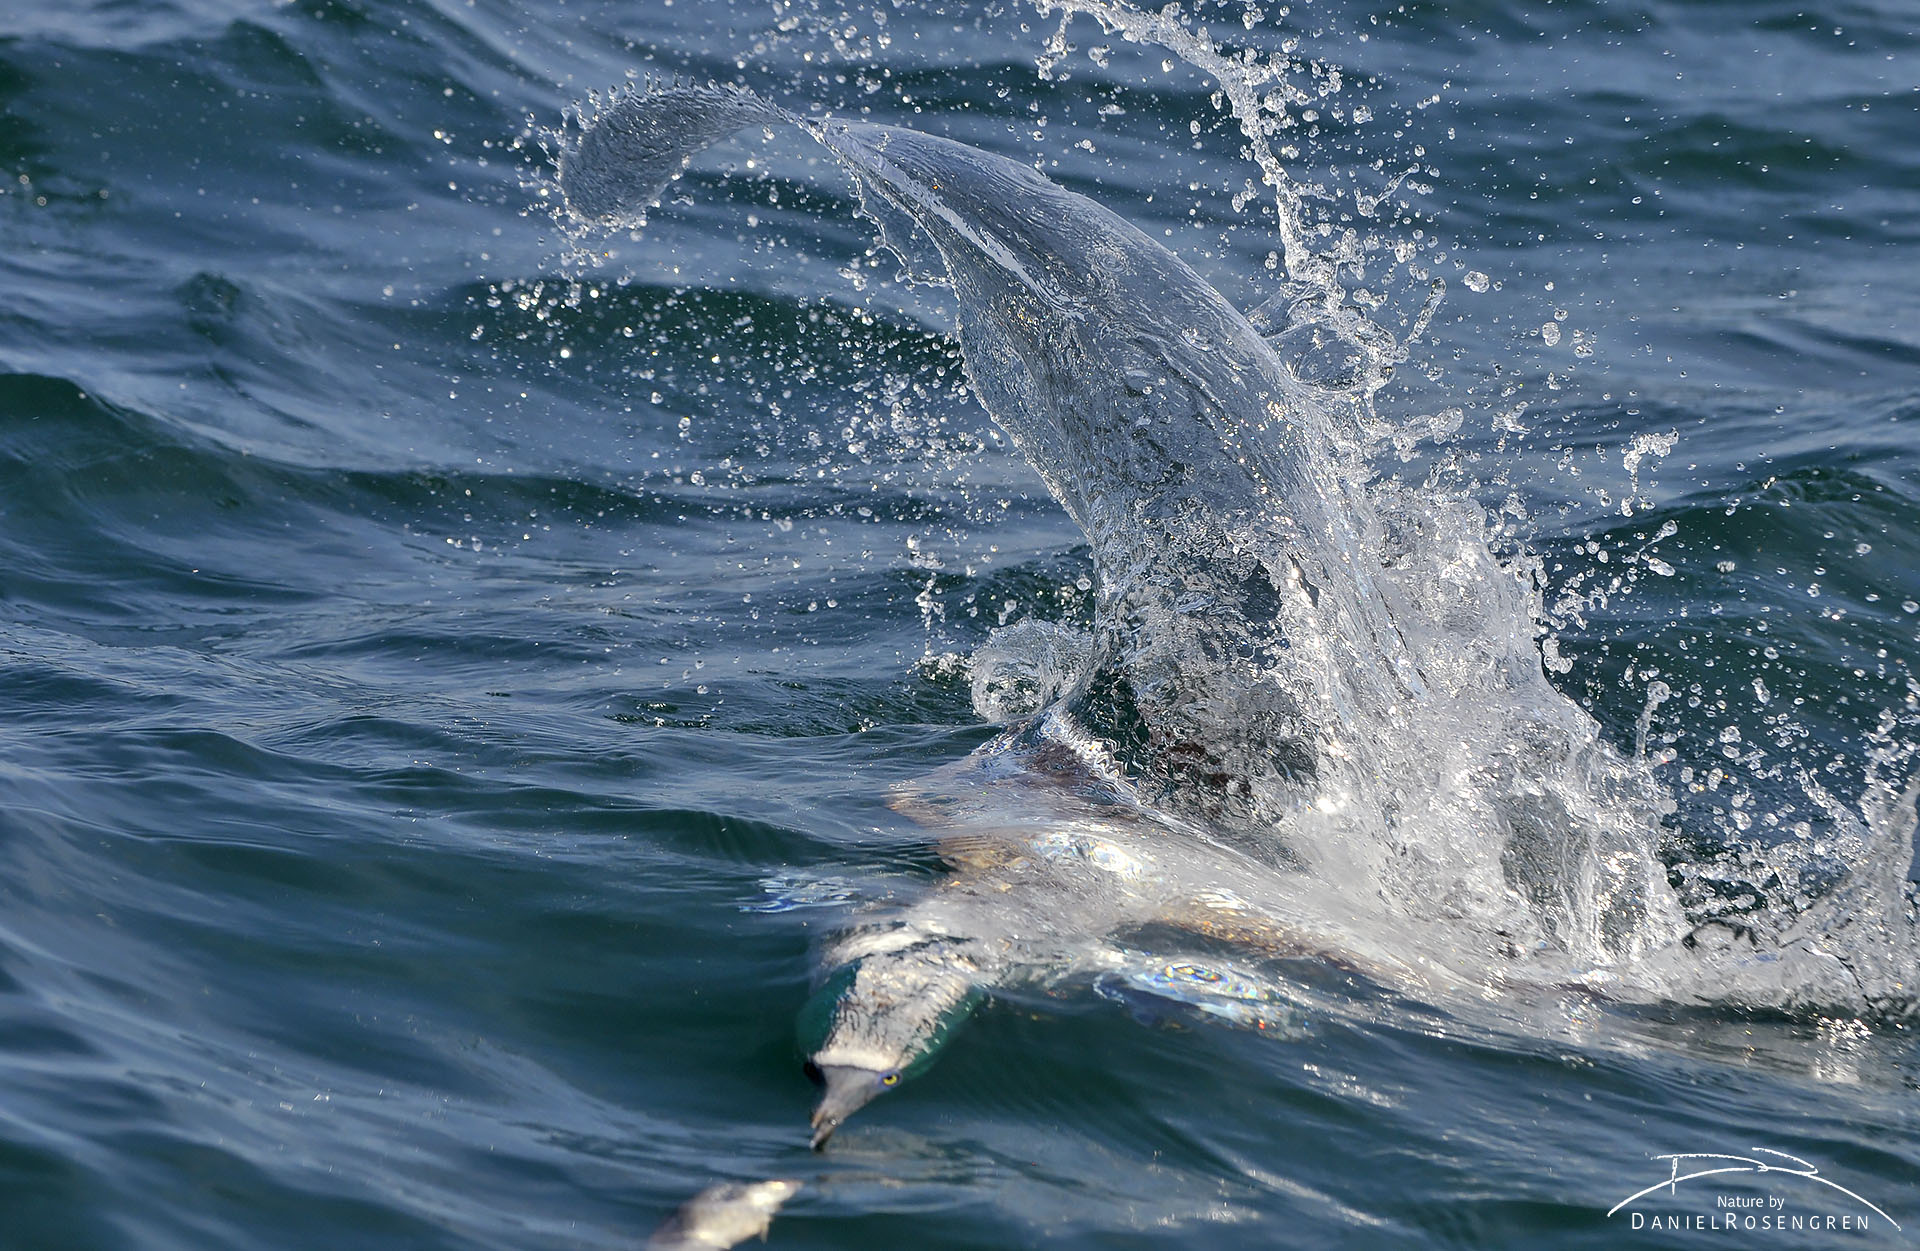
x=723, y=1215
x=1220, y=765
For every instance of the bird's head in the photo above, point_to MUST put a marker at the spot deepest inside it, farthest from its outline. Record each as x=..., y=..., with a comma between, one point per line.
x=844, y=1090
x=877, y=1021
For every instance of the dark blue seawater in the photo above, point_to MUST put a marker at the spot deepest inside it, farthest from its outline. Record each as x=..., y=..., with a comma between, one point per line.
x=447, y=687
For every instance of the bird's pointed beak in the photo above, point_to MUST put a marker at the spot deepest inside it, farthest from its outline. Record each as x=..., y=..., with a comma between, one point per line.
x=847, y=1090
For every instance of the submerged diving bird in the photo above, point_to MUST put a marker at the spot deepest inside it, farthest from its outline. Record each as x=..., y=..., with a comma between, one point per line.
x=1220, y=766
x=1053, y=876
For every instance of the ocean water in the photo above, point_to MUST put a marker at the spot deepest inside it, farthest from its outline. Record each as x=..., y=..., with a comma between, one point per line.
x=455, y=668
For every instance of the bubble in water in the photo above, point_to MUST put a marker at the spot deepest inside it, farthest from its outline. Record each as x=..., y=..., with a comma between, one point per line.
x=1476, y=282
x=1645, y=445
x=1550, y=333
x=1021, y=668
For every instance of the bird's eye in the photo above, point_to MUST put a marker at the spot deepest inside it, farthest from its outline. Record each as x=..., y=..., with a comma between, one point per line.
x=889, y=1079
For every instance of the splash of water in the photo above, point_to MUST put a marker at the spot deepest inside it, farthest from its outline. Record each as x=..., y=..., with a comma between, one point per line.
x=1331, y=673
x=1316, y=325
x=1250, y=663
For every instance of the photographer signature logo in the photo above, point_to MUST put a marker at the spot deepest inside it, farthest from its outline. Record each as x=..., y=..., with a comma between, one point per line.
x=1691, y=1166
